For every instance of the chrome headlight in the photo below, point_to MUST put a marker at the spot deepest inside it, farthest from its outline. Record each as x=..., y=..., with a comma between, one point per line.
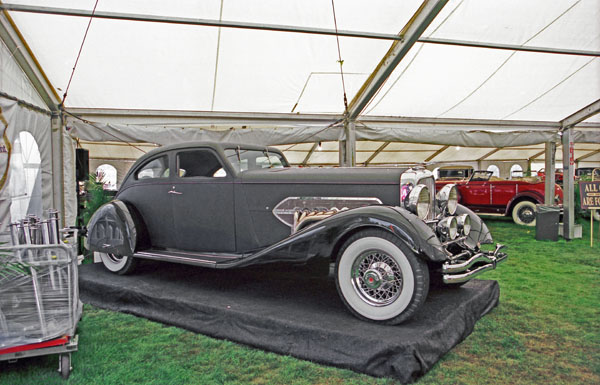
x=419, y=201
x=464, y=223
x=448, y=197
x=448, y=227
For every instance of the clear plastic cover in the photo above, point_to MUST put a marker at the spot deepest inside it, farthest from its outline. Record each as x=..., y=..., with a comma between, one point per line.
x=39, y=295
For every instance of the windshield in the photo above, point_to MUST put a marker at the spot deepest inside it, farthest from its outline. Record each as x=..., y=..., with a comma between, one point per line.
x=244, y=160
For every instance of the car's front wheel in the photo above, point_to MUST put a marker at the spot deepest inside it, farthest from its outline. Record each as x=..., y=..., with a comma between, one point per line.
x=118, y=264
x=524, y=213
x=380, y=279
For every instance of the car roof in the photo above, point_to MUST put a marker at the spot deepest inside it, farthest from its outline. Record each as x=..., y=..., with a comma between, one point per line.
x=219, y=146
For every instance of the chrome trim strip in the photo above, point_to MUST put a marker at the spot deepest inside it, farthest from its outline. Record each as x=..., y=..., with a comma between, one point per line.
x=173, y=258
x=199, y=254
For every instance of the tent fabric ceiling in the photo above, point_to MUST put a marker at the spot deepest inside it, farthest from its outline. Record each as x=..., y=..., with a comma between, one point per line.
x=141, y=65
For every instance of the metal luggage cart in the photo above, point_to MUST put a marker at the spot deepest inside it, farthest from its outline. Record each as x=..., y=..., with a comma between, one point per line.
x=39, y=299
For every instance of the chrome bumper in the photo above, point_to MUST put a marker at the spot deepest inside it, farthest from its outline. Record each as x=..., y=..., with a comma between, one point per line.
x=459, y=271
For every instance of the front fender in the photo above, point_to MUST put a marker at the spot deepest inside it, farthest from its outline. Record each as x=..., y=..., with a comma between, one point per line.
x=324, y=237
x=114, y=228
x=479, y=234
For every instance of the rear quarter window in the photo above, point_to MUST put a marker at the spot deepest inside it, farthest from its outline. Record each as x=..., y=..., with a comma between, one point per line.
x=155, y=168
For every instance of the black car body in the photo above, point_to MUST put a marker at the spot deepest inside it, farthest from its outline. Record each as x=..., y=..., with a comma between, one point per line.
x=223, y=205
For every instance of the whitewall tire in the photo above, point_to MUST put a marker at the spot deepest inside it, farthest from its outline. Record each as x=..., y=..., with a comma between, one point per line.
x=379, y=278
x=118, y=264
x=524, y=213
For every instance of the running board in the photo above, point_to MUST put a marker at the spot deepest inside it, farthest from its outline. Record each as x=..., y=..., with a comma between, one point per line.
x=187, y=257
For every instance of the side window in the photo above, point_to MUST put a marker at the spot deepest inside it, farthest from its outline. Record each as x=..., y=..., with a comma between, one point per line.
x=199, y=163
x=156, y=168
x=269, y=162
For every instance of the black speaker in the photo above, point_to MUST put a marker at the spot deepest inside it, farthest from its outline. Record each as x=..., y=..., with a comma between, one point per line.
x=82, y=164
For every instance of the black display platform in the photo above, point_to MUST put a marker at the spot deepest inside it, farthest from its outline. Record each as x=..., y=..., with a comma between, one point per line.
x=291, y=310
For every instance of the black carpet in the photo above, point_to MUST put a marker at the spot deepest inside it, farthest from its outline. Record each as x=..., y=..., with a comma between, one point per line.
x=291, y=310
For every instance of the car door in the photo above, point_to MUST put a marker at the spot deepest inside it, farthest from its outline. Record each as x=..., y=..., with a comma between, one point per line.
x=502, y=192
x=475, y=193
x=147, y=190
x=203, y=202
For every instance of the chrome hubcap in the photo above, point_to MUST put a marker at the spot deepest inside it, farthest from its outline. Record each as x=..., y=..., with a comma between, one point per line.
x=527, y=215
x=376, y=278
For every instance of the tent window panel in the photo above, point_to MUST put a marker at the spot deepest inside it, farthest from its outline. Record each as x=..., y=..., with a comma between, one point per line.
x=25, y=184
x=516, y=171
x=107, y=175
x=494, y=169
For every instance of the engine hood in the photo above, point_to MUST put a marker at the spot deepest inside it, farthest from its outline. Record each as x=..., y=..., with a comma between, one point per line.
x=324, y=175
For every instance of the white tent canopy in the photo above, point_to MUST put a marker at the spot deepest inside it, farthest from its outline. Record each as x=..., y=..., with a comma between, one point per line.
x=143, y=65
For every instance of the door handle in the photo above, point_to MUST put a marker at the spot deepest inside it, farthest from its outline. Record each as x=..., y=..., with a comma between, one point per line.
x=175, y=192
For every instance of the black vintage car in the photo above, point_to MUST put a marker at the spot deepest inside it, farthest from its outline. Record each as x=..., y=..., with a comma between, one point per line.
x=226, y=206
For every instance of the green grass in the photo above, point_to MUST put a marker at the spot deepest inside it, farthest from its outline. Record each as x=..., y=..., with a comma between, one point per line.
x=546, y=330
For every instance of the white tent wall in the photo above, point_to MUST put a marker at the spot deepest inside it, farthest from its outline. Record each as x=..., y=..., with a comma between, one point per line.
x=22, y=118
x=13, y=81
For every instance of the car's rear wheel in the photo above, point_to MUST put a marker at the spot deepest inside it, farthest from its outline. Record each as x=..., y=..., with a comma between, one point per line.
x=118, y=264
x=524, y=213
x=380, y=279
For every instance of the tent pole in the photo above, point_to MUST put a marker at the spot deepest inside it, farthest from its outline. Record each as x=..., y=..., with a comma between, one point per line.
x=567, y=125
x=283, y=28
x=58, y=178
x=549, y=168
x=349, y=152
x=568, y=184
x=398, y=50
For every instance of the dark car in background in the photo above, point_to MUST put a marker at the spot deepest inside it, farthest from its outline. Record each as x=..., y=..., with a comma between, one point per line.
x=222, y=206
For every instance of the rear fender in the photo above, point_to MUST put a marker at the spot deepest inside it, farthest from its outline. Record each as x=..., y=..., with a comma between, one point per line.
x=526, y=195
x=116, y=228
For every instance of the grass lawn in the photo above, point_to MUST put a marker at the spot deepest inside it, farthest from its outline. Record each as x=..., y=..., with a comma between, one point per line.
x=545, y=330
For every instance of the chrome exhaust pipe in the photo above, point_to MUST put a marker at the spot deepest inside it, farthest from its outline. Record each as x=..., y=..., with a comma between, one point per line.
x=460, y=272
x=460, y=267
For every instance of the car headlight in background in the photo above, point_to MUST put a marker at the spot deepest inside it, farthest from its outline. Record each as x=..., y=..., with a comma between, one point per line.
x=464, y=223
x=419, y=201
x=448, y=227
x=447, y=198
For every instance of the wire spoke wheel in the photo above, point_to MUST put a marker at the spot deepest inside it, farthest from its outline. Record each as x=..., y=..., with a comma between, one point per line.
x=377, y=278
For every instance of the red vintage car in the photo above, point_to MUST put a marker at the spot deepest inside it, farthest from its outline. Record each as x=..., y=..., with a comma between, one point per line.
x=484, y=193
x=558, y=175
